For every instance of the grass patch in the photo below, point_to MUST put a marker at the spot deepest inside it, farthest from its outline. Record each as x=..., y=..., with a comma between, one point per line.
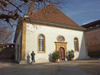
x=95, y=54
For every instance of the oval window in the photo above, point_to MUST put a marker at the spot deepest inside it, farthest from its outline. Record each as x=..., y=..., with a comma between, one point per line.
x=60, y=38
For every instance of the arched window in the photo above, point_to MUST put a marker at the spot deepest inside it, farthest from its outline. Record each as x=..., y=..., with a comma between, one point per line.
x=41, y=43
x=76, y=44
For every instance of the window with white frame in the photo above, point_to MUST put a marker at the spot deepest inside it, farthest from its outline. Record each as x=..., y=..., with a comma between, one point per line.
x=41, y=43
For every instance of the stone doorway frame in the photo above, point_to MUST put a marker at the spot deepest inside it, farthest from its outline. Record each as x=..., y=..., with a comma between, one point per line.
x=61, y=44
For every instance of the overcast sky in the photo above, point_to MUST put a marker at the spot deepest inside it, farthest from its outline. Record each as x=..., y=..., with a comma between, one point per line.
x=82, y=11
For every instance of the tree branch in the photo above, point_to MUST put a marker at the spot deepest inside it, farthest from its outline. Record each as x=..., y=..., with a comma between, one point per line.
x=14, y=5
x=2, y=16
x=3, y=3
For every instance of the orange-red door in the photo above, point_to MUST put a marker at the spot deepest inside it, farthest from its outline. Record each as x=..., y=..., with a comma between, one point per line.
x=62, y=53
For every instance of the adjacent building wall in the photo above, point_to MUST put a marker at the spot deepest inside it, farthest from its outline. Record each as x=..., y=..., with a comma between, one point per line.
x=93, y=40
x=18, y=49
x=92, y=36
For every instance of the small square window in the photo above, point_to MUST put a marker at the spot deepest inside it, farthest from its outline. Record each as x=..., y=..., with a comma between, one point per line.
x=11, y=46
x=7, y=45
x=90, y=27
x=97, y=25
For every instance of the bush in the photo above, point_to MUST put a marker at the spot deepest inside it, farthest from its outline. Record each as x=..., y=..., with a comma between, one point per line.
x=55, y=55
x=71, y=54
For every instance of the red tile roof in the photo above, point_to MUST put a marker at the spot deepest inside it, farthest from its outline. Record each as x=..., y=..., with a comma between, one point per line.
x=52, y=14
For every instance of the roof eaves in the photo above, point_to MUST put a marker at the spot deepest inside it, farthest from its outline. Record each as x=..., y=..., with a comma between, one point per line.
x=55, y=24
x=91, y=24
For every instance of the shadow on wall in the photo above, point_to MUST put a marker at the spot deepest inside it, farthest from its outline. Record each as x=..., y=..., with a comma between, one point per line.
x=50, y=57
x=28, y=59
x=82, y=52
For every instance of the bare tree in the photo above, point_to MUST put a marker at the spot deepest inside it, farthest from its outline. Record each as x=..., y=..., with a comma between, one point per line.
x=11, y=10
x=6, y=35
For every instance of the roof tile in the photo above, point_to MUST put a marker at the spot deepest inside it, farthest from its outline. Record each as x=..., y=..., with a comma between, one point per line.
x=52, y=14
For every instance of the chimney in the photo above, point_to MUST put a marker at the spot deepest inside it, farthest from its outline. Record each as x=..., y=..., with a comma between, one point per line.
x=31, y=8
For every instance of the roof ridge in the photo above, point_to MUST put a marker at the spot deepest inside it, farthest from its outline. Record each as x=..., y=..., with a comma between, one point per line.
x=42, y=8
x=53, y=14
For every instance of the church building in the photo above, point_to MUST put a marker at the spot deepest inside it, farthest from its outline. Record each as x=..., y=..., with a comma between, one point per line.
x=46, y=31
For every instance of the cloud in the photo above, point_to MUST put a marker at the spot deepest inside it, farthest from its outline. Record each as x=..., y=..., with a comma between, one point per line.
x=89, y=21
x=92, y=3
x=83, y=7
x=83, y=11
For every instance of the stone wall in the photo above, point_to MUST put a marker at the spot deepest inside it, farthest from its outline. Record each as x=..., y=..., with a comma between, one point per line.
x=93, y=40
x=8, y=52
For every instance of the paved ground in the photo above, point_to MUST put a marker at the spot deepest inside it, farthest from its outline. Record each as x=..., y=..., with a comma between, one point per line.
x=69, y=69
x=79, y=67
x=92, y=67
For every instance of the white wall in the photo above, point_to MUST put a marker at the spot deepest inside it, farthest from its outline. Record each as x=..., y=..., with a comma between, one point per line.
x=51, y=34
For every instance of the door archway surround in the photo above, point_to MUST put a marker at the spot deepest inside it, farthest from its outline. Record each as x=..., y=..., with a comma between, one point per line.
x=63, y=45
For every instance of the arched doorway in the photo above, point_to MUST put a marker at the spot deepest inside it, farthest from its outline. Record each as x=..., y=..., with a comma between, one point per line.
x=62, y=53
